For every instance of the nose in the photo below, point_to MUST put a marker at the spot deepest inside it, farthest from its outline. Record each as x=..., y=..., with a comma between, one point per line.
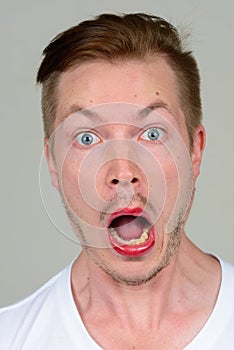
x=119, y=170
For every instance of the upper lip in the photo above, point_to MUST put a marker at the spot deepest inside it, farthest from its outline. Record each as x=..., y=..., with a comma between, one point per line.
x=128, y=211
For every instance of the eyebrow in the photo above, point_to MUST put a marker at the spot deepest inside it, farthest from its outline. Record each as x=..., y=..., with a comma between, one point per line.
x=144, y=112
x=156, y=105
x=75, y=108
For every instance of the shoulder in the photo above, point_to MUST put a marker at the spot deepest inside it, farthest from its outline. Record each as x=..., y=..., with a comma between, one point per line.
x=225, y=304
x=42, y=292
x=17, y=318
x=227, y=273
x=227, y=282
x=223, y=317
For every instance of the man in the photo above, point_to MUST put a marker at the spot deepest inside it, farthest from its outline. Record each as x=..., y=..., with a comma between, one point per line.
x=124, y=143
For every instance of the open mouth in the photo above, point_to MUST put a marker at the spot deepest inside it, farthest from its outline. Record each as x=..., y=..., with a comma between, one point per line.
x=131, y=233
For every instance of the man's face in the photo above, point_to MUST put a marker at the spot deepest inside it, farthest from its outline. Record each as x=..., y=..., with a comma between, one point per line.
x=122, y=164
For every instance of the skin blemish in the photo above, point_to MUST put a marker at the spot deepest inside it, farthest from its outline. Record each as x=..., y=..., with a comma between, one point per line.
x=156, y=93
x=135, y=95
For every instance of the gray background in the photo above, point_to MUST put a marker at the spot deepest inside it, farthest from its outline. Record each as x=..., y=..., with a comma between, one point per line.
x=31, y=248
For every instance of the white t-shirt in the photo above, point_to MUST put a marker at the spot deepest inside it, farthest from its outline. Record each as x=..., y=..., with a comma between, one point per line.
x=49, y=320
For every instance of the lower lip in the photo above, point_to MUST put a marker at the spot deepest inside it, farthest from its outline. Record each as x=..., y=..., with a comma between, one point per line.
x=133, y=250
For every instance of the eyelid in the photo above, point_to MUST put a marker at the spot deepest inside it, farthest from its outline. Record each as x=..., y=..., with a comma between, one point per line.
x=85, y=131
x=158, y=127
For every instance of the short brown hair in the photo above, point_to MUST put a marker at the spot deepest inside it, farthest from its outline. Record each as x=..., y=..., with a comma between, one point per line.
x=116, y=38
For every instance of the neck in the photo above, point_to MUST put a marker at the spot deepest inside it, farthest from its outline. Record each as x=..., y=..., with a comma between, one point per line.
x=174, y=288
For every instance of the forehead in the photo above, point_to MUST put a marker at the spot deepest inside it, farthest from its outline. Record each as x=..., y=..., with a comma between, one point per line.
x=138, y=82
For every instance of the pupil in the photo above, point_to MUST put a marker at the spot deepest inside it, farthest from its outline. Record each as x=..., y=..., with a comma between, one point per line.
x=153, y=134
x=87, y=139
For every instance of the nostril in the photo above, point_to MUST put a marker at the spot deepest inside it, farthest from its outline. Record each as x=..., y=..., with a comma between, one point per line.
x=115, y=181
x=134, y=180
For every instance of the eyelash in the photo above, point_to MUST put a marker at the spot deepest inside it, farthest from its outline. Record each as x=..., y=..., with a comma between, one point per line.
x=145, y=135
x=82, y=135
x=160, y=133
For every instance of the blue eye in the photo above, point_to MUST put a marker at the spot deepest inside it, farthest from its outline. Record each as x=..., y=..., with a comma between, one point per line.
x=87, y=139
x=152, y=134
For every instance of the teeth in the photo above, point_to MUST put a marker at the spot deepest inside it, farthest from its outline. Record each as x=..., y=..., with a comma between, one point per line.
x=144, y=237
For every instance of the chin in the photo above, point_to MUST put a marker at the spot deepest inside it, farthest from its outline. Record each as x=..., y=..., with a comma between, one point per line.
x=135, y=270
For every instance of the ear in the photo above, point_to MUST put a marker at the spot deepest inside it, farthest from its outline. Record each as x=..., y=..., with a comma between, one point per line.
x=51, y=164
x=199, y=141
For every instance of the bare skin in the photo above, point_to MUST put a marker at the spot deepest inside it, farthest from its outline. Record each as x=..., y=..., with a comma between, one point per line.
x=168, y=311
x=164, y=314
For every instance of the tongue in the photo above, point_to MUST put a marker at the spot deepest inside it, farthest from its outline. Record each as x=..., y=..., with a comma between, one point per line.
x=129, y=227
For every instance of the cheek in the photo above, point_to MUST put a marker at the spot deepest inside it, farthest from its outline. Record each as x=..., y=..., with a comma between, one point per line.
x=172, y=180
x=69, y=172
x=178, y=176
x=77, y=201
